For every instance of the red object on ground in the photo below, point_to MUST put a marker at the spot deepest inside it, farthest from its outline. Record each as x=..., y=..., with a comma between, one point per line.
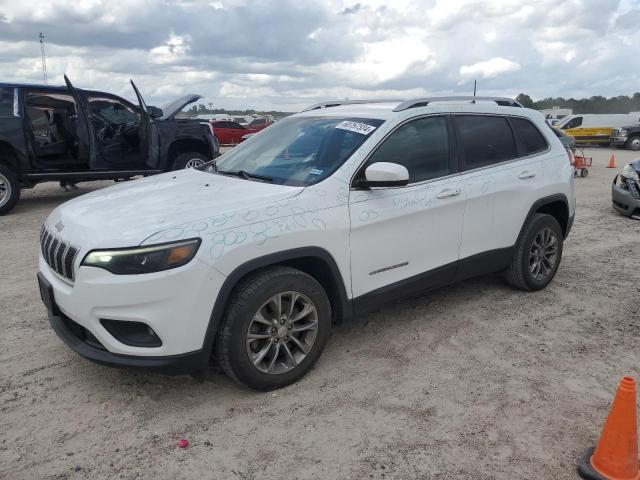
x=183, y=443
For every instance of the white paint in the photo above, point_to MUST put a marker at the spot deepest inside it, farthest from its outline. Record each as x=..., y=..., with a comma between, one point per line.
x=424, y=225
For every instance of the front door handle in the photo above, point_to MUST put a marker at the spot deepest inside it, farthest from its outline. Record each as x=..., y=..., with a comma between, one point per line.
x=448, y=192
x=526, y=175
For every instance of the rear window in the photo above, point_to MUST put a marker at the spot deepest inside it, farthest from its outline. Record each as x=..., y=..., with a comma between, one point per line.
x=486, y=140
x=530, y=137
x=6, y=102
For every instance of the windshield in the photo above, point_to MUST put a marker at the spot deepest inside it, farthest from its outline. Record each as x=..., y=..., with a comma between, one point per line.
x=299, y=151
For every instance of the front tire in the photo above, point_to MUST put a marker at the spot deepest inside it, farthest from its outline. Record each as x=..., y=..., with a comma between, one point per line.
x=634, y=143
x=9, y=189
x=189, y=160
x=276, y=325
x=537, y=254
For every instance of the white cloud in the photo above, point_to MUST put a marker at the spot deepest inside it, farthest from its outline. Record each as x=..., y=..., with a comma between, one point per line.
x=286, y=54
x=488, y=68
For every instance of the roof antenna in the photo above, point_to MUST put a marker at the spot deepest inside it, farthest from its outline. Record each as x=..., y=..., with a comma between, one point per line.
x=475, y=84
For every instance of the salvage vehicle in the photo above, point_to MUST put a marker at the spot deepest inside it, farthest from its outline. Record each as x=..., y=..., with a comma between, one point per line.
x=327, y=214
x=71, y=135
x=595, y=128
x=625, y=191
x=627, y=137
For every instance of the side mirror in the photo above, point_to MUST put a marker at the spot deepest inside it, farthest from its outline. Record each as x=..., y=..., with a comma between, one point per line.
x=155, y=112
x=385, y=174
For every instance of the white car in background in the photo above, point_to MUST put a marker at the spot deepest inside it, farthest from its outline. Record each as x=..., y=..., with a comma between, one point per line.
x=325, y=215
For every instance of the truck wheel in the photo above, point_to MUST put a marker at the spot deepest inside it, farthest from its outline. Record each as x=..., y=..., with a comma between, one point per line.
x=275, y=327
x=9, y=189
x=634, y=143
x=537, y=254
x=189, y=160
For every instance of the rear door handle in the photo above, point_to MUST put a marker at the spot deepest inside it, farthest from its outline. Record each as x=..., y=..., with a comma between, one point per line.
x=448, y=192
x=526, y=174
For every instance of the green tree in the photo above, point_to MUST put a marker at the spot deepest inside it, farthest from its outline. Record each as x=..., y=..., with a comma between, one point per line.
x=525, y=100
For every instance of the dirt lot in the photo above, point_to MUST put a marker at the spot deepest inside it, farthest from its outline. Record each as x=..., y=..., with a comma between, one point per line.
x=474, y=381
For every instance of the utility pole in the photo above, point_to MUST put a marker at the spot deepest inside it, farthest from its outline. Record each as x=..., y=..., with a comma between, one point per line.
x=44, y=57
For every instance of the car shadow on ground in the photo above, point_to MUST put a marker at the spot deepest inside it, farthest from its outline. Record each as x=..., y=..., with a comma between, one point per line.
x=400, y=314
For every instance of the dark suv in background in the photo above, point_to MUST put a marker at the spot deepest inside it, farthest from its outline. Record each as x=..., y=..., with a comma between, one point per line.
x=67, y=134
x=626, y=137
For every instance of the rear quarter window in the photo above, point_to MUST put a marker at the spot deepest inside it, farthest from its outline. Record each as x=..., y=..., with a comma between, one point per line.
x=486, y=140
x=530, y=137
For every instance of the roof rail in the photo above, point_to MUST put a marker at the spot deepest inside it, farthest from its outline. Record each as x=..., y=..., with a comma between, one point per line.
x=336, y=103
x=423, y=102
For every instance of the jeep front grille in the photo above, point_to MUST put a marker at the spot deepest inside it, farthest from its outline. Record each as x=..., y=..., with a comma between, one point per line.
x=58, y=254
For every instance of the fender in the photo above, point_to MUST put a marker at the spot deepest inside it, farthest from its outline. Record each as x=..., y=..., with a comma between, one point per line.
x=342, y=307
x=556, y=197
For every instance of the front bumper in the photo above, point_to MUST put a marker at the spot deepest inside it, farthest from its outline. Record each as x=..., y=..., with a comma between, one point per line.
x=77, y=339
x=177, y=304
x=618, y=141
x=624, y=201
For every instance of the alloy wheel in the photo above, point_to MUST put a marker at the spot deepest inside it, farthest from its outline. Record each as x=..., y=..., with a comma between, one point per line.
x=5, y=190
x=634, y=144
x=543, y=254
x=194, y=163
x=282, y=332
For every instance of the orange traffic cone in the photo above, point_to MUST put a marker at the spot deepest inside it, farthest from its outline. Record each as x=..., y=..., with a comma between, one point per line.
x=616, y=455
x=612, y=161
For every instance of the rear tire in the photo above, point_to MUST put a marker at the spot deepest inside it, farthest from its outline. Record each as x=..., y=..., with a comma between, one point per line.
x=537, y=254
x=9, y=189
x=256, y=346
x=189, y=160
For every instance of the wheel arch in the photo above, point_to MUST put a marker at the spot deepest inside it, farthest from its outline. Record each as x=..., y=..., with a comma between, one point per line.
x=555, y=205
x=315, y=261
x=185, y=145
x=9, y=157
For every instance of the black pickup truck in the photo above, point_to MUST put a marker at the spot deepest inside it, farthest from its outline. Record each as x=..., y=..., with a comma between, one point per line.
x=627, y=137
x=67, y=134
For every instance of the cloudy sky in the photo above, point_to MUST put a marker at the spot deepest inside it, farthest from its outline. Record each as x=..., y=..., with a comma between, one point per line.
x=286, y=54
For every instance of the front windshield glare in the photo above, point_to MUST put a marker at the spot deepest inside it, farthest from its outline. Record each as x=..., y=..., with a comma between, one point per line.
x=299, y=151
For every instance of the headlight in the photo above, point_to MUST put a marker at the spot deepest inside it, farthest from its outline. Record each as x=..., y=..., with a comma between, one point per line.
x=145, y=259
x=622, y=132
x=629, y=172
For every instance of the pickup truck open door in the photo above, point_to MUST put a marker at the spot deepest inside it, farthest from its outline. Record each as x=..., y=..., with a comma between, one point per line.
x=84, y=128
x=149, y=136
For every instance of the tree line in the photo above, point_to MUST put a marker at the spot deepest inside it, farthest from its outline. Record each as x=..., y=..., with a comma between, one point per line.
x=202, y=109
x=596, y=104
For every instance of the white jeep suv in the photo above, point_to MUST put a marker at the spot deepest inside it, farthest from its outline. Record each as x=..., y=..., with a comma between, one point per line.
x=322, y=216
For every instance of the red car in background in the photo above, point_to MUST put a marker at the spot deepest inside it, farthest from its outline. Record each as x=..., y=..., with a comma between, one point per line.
x=229, y=133
x=259, y=124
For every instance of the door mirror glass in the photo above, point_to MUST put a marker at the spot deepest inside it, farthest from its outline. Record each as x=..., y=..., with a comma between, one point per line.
x=385, y=174
x=154, y=112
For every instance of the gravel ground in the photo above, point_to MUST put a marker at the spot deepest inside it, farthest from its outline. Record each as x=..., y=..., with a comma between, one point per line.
x=472, y=381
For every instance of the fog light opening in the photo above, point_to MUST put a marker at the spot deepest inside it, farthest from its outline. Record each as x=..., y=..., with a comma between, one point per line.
x=134, y=334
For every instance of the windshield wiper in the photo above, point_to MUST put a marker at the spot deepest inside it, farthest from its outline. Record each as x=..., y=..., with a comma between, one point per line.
x=246, y=175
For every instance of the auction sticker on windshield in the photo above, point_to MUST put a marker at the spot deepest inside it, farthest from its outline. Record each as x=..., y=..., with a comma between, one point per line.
x=357, y=127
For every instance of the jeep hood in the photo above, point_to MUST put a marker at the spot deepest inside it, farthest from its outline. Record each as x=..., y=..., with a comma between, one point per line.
x=126, y=214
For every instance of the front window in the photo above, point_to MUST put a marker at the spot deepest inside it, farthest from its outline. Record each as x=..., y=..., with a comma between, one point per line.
x=299, y=151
